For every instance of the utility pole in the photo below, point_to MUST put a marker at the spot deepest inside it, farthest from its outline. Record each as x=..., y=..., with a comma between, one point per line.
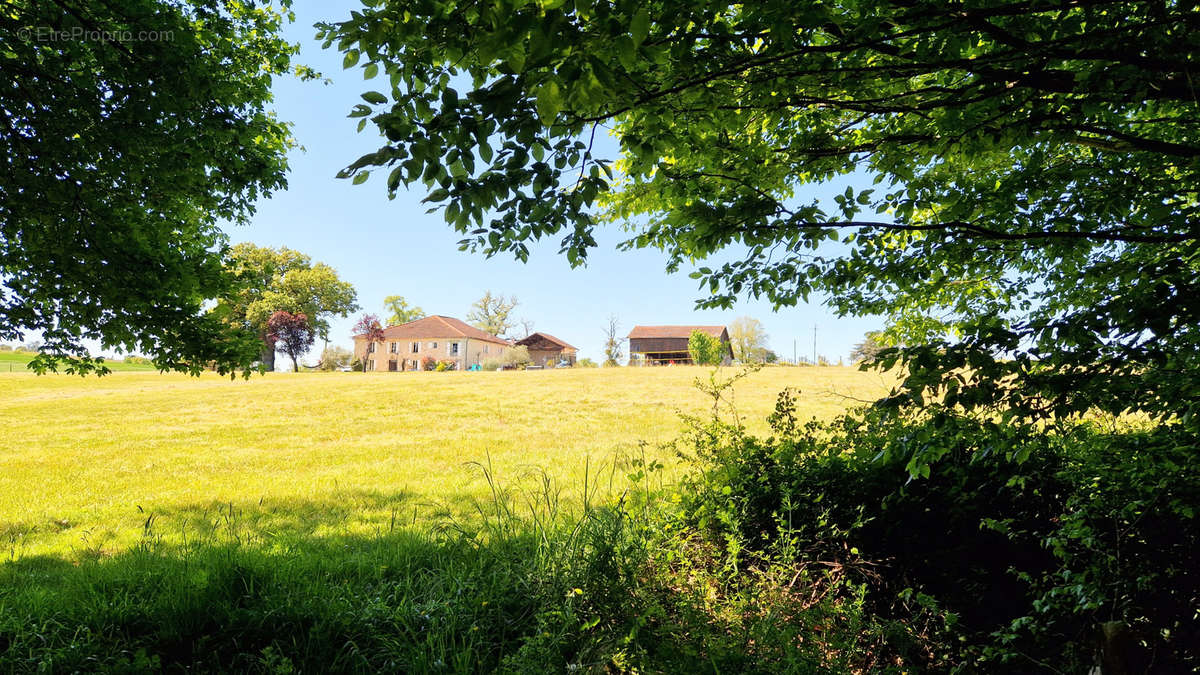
x=814, y=344
x=795, y=359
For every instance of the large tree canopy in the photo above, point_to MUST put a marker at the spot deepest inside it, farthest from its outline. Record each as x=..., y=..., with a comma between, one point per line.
x=128, y=131
x=1034, y=226
x=271, y=280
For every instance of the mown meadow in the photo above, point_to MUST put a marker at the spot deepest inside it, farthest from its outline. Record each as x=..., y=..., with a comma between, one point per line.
x=85, y=462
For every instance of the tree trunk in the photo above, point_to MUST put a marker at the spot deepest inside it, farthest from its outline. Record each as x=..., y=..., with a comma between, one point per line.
x=268, y=357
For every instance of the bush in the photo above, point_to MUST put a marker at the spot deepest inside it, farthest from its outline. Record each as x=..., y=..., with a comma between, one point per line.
x=445, y=365
x=429, y=363
x=586, y=363
x=1016, y=544
x=516, y=357
x=6, y=348
x=356, y=365
x=704, y=349
x=491, y=364
x=139, y=360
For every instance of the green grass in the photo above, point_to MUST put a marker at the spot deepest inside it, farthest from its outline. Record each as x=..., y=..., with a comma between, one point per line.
x=16, y=362
x=345, y=522
x=84, y=462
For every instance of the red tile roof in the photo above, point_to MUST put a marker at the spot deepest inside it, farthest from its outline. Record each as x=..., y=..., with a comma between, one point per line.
x=438, y=327
x=547, y=336
x=673, y=331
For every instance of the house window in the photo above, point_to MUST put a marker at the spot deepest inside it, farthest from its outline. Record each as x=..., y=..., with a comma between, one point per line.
x=371, y=348
x=433, y=345
x=395, y=347
x=485, y=349
x=370, y=364
x=453, y=349
x=416, y=347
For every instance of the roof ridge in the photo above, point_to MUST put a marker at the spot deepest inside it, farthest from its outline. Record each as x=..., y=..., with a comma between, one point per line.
x=449, y=325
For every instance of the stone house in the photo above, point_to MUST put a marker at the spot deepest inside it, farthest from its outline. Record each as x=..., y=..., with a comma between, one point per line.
x=442, y=338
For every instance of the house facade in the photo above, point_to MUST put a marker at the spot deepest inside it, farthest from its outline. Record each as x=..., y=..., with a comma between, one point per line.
x=547, y=350
x=406, y=347
x=663, y=345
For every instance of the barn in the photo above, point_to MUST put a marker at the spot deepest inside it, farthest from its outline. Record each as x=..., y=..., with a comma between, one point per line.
x=547, y=350
x=662, y=345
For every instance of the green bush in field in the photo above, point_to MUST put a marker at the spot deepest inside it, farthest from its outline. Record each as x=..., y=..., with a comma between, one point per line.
x=6, y=348
x=704, y=349
x=586, y=363
x=1022, y=545
x=491, y=364
x=138, y=360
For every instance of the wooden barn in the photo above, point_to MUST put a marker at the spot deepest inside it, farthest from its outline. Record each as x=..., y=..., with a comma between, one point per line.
x=547, y=350
x=663, y=345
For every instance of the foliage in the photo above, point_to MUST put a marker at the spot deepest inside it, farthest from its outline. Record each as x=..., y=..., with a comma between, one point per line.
x=705, y=349
x=138, y=360
x=516, y=357
x=399, y=312
x=748, y=338
x=1033, y=236
x=491, y=364
x=429, y=363
x=280, y=279
x=445, y=365
x=763, y=355
x=368, y=327
x=586, y=363
x=291, y=334
x=334, y=357
x=869, y=349
x=1024, y=543
x=612, y=342
x=118, y=178
x=491, y=314
x=6, y=348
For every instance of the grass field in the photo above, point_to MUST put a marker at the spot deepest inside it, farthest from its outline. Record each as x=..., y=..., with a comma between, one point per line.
x=15, y=362
x=89, y=466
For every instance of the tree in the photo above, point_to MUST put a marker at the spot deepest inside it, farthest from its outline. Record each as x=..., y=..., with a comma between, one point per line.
x=612, y=342
x=492, y=314
x=281, y=279
x=869, y=348
x=526, y=326
x=334, y=358
x=291, y=334
x=1036, y=235
x=704, y=349
x=748, y=339
x=121, y=159
x=400, y=311
x=369, y=328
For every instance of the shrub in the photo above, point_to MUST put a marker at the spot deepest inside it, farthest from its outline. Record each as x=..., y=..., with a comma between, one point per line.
x=1016, y=544
x=356, y=365
x=516, y=357
x=704, y=349
x=6, y=348
x=446, y=364
x=586, y=363
x=139, y=360
x=429, y=363
x=491, y=364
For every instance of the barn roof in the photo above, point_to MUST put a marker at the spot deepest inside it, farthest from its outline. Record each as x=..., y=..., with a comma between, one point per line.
x=437, y=326
x=529, y=338
x=674, y=331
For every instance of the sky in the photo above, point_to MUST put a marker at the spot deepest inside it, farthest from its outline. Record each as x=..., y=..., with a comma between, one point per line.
x=394, y=247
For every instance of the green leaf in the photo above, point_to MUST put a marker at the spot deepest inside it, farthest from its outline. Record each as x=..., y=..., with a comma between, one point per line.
x=639, y=27
x=350, y=59
x=361, y=177
x=549, y=101
x=370, y=71
x=374, y=97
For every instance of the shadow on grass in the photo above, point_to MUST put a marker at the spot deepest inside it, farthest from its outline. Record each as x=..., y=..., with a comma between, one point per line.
x=271, y=587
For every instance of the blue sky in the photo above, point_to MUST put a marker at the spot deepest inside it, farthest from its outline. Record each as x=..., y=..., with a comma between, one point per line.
x=392, y=247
